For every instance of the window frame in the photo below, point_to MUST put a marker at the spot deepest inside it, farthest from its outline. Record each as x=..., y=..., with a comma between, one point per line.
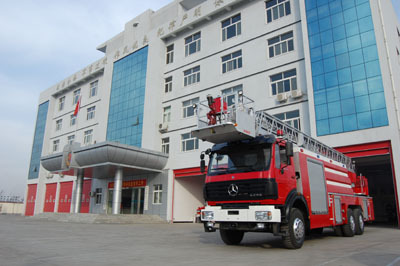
x=228, y=93
x=91, y=113
x=167, y=114
x=165, y=145
x=61, y=103
x=168, y=84
x=188, y=104
x=93, y=87
x=283, y=44
x=169, y=56
x=236, y=24
x=56, y=145
x=88, y=137
x=291, y=120
x=76, y=95
x=185, y=140
x=232, y=61
x=191, y=76
x=99, y=196
x=193, y=40
x=292, y=81
x=69, y=138
x=58, y=124
x=157, y=190
x=278, y=5
x=72, y=121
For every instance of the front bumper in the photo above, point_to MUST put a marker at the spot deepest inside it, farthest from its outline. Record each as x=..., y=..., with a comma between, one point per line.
x=220, y=215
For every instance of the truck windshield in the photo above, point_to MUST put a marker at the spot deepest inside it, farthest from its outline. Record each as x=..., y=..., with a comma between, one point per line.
x=239, y=159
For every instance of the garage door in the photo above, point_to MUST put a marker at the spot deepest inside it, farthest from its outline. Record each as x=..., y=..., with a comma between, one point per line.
x=85, y=205
x=30, y=200
x=64, y=201
x=50, y=197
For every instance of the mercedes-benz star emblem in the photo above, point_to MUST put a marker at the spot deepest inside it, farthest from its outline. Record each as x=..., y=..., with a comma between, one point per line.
x=233, y=190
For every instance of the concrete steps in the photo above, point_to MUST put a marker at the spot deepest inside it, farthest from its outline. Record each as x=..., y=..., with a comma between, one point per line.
x=90, y=218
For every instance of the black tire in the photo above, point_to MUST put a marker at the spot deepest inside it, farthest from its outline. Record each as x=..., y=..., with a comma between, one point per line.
x=231, y=237
x=349, y=229
x=296, y=230
x=359, y=220
x=338, y=230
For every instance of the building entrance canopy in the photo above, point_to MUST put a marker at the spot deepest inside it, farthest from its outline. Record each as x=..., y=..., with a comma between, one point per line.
x=102, y=159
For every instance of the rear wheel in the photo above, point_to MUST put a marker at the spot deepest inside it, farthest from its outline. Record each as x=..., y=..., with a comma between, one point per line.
x=231, y=237
x=349, y=229
x=359, y=221
x=296, y=231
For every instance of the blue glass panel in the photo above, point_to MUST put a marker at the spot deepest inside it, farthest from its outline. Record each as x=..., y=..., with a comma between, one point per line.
x=319, y=82
x=350, y=15
x=315, y=41
x=344, y=75
x=319, y=97
x=317, y=68
x=332, y=94
x=359, y=2
x=362, y=104
x=329, y=64
x=313, y=28
x=321, y=111
x=368, y=38
x=339, y=33
x=354, y=42
x=125, y=118
x=377, y=101
x=341, y=47
x=350, y=122
x=363, y=10
x=348, y=106
x=336, y=125
x=375, y=84
x=370, y=53
x=310, y=4
x=358, y=72
x=334, y=109
x=316, y=54
x=346, y=91
x=364, y=120
x=379, y=118
x=312, y=15
x=337, y=20
x=335, y=6
x=323, y=10
x=38, y=137
x=366, y=24
x=326, y=37
x=328, y=50
x=347, y=4
x=372, y=68
x=325, y=24
x=342, y=61
x=320, y=2
x=352, y=29
x=323, y=127
x=331, y=79
x=356, y=57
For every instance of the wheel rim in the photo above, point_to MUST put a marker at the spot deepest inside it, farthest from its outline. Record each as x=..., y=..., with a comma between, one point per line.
x=361, y=221
x=352, y=223
x=298, y=229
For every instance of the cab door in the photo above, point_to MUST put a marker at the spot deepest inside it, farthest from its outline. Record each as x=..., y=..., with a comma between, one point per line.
x=284, y=171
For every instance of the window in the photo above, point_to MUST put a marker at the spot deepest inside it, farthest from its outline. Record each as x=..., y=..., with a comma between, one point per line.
x=167, y=114
x=170, y=54
x=56, y=145
x=93, y=88
x=77, y=93
x=99, y=195
x=58, y=124
x=157, y=194
x=284, y=82
x=232, y=61
x=231, y=27
x=72, y=121
x=281, y=44
x=192, y=44
x=91, y=112
x=71, y=139
x=165, y=145
x=168, y=85
x=61, y=102
x=88, y=135
x=191, y=76
x=291, y=118
x=189, y=143
x=229, y=94
x=188, y=109
x=277, y=9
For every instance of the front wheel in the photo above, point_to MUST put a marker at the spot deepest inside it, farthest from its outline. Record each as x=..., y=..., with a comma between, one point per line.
x=296, y=231
x=359, y=221
x=349, y=229
x=231, y=237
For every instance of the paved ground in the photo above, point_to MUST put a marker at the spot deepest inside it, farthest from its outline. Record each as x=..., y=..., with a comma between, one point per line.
x=25, y=241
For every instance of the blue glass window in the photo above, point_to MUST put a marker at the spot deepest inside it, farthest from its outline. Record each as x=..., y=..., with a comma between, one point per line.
x=363, y=10
x=370, y=53
x=362, y=104
x=335, y=6
x=372, y=68
x=342, y=61
x=350, y=122
x=352, y=29
x=334, y=109
x=336, y=125
x=325, y=24
x=379, y=118
x=312, y=15
x=368, y=38
x=346, y=91
x=345, y=75
x=339, y=33
x=354, y=42
x=319, y=97
x=328, y=50
x=360, y=88
x=37, y=146
x=348, y=107
x=321, y=111
x=331, y=79
x=364, y=120
x=326, y=37
x=374, y=84
x=323, y=127
x=125, y=118
x=316, y=54
x=358, y=72
x=341, y=46
x=337, y=20
x=330, y=64
x=319, y=68
x=356, y=57
x=323, y=10
x=366, y=24
x=347, y=4
x=350, y=15
x=377, y=101
x=332, y=94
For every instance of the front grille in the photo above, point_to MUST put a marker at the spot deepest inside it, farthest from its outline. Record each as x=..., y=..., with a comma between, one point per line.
x=252, y=189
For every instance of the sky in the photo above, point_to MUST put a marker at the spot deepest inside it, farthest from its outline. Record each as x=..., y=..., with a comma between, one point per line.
x=41, y=43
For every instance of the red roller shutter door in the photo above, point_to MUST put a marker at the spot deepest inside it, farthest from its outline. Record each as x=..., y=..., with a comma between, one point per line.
x=64, y=201
x=85, y=203
x=50, y=198
x=30, y=200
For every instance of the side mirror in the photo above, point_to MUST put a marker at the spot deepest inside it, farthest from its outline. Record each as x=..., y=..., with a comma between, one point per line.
x=202, y=165
x=289, y=149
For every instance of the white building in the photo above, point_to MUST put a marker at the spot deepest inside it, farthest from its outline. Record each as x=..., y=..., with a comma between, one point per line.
x=327, y=67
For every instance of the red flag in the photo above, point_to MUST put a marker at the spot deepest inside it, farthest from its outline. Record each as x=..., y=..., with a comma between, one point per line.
x=78, y=105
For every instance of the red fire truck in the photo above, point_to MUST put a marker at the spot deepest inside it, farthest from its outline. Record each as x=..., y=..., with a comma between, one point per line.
x=266, y=176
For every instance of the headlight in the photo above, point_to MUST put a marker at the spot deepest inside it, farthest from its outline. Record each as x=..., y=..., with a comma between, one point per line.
x=263, y=215
x=207, y=215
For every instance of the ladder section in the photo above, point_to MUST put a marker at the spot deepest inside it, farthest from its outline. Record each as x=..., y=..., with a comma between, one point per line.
x=268, y=124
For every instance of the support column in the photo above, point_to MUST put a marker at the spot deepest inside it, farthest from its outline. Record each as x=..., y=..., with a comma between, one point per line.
x=79, y=188
x=117, y=194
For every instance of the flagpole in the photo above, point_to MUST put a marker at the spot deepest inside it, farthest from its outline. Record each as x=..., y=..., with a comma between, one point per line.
x=76, y=112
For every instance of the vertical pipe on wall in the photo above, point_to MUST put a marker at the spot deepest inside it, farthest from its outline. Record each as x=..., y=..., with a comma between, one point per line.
x=116, y=204
x=79, y=188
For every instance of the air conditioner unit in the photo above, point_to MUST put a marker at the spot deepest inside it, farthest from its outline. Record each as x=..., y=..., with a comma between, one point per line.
x=281, y=97
x=49, y=175
x=163, y=127
x=296, y=93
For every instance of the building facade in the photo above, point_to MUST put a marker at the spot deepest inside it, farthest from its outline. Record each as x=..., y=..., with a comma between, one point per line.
x=326, y=67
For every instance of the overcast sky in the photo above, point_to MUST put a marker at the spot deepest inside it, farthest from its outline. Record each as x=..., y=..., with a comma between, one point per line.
x=41, y=43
